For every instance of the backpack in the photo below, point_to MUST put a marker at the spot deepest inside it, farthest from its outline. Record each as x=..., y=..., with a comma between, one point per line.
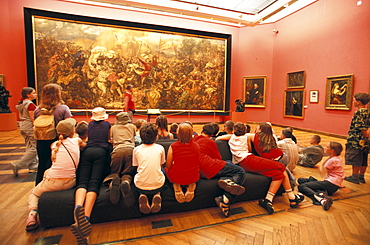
x=44, y=126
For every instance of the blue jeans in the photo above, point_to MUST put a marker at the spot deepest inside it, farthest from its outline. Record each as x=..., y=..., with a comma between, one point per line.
x=231, y=172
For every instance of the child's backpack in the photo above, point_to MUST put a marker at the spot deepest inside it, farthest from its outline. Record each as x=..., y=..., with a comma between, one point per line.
x=44, y=126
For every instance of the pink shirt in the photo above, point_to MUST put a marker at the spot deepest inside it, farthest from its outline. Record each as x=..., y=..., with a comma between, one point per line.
x=63, y=167
x=334, y=167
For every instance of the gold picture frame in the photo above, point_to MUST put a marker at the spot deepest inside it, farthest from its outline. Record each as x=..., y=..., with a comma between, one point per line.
x=254, y=91
x=296, y=79
x=339, y=92
x=294, y=103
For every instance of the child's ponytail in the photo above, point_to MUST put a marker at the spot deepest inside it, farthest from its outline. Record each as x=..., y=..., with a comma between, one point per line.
x=57, y=145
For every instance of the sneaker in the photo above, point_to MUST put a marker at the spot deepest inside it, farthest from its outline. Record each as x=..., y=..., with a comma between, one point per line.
x=362, y=180
x=144, y=204
x=326, y=203
x=114, y=190
x=128, y=195
x=296, y=201
x=225, y=207
x=81, y=240
x=31, y=222
x=82, y=224
x=156, y=203
x=267, y=205
x=15, y=169
x=230, y=186
x=352, y=179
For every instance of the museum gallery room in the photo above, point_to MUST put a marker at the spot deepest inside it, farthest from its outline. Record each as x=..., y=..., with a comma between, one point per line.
x=292, y=63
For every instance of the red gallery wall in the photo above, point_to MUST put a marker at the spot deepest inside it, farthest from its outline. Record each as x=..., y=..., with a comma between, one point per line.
x=328, y=38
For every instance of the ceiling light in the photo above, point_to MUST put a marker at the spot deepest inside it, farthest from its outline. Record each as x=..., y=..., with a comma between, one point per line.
x=359, y=3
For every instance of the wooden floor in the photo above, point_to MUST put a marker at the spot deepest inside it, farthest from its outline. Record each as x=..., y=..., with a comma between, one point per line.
x=347, y=222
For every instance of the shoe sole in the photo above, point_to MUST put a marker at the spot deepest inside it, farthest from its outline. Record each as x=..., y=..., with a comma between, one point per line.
x=81, y=240
x=82, y=224
x=15, y=169
x=115, y=193
x=225, y=209
x=156, y=204
x=328, y=204
x=179, y=195
x=143, y=204
x=233, y=189
x=128, y=195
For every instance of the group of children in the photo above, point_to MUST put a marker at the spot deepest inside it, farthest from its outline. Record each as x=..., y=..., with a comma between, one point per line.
x=110, y=151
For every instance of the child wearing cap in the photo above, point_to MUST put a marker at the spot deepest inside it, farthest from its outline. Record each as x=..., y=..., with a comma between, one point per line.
x=62, y=173
x=122, y=171
x=92, y=170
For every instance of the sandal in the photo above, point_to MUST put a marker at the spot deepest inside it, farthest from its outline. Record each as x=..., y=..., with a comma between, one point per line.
x=189, y=195
x=82, y=224
x=31, y=222
x=225, y=207
x=267, y=205
x=296, y=201
x=179, y=195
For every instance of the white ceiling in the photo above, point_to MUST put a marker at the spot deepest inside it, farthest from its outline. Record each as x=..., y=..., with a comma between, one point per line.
x=237, y=13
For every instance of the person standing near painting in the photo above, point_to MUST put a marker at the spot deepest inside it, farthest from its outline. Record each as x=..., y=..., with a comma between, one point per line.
x=51, y=102
x=26, y=108
x=129, y=105
x=357, y=146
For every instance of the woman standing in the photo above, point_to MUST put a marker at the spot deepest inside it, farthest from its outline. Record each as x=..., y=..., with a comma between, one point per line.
x=51, y=100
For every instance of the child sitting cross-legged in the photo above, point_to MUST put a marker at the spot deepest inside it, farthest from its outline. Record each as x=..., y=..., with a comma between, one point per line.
x=62, y=173
x=182, y=165
x=149, y=179
x=334, y=171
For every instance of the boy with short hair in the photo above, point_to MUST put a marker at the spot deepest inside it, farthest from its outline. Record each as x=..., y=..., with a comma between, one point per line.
x=357, y=146
x=149, y=158
x=311, y=155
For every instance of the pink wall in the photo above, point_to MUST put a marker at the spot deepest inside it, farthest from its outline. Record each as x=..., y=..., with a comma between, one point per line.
x=325, y=39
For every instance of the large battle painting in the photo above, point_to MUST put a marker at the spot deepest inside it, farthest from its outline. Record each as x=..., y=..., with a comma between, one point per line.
x=94, y=62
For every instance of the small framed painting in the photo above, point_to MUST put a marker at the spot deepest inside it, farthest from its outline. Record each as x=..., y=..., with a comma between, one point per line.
x=254, y=91
x=314, y=96
x=296, y=79
x=339, y=92
x=293, y=103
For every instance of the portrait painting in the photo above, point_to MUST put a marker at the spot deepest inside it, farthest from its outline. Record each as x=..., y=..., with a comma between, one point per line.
x=254, y=91
x=296, y=79
x=94, y=59
x=294, y=103
x=339, y=92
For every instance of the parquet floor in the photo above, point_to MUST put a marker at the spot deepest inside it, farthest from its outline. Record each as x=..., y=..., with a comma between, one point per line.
x=347, y=222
